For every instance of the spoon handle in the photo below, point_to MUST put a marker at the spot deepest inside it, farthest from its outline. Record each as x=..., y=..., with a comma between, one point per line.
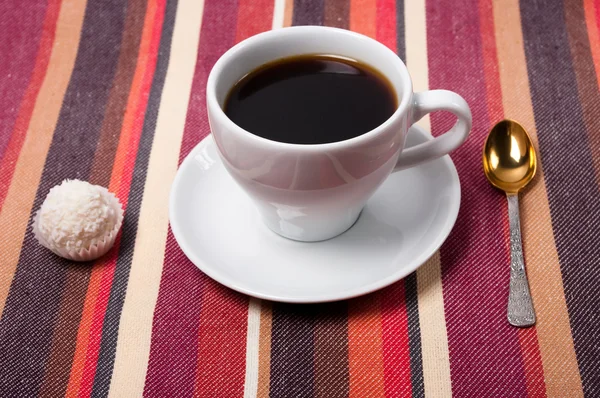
x=520, y=306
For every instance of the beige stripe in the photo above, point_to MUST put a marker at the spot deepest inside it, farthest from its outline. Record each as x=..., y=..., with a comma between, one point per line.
x=264, y=354
x=416, y=49
x=561, y=372
x=252, y=349
x=14, y=215
x=278, y=14
x=135, y=331
x=432, y=319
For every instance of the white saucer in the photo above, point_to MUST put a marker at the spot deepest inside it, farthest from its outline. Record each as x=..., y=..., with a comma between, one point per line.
x=217, y=227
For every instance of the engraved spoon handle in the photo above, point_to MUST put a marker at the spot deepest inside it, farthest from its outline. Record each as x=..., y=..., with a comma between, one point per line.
x=520, y=306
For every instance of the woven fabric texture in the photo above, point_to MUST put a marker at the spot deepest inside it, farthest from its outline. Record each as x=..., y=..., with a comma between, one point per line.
x=113, y=92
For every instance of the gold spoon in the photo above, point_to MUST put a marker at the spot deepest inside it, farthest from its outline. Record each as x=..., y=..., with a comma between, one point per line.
x=509, y=164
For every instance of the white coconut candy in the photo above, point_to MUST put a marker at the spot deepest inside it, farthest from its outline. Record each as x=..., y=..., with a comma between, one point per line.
x=78, y=221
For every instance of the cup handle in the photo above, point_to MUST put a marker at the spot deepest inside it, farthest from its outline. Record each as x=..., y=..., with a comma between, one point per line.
x=431, y=101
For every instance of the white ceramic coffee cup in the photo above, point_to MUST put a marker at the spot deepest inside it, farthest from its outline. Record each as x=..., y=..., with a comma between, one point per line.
x=315, y=192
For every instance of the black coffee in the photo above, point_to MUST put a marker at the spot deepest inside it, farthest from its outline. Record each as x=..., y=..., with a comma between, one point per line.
x=312, y=99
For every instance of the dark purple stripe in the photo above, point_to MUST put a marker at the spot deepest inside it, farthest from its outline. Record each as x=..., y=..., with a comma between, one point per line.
x=28, y=321
x=400, y=30
x=308, y=12
x=292, y=351
x=414, y=336
x=410, y=282
x=106, y=357
x=21, y=25
x=569, y=172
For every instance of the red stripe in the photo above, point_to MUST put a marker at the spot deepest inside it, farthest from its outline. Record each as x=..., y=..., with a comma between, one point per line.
x=394, y=317
x=396, y=354
x=174, y=347
x=15, y=143
x=490, y=64
x=386, y=23
x=95, y=337
x=221, y=342
x=253, y=18
x=475, y=266
x=532, y=361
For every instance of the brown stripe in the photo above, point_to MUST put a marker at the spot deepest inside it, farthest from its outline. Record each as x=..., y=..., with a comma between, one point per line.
x=64, y=340
x=561, y=374
x=585, y=74
x=331, y=351
x=264, y=351
x=337, y=13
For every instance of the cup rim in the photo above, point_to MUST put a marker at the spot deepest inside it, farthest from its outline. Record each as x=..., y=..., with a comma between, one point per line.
x=228, y=56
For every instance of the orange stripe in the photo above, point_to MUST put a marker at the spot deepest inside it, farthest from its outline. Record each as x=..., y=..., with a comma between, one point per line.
x=557, y=351
x=592, y=29
x=365, y=342
x=83, y=333
x=363, y=15
x=289, y=13
x=264, y=351
x=107, y=264
x=131, y=128
x=8, y=162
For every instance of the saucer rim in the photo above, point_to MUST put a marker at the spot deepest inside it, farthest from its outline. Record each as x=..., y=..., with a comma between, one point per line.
x=339, y=295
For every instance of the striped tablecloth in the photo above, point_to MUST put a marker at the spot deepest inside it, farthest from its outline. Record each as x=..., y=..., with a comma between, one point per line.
x=113, y=92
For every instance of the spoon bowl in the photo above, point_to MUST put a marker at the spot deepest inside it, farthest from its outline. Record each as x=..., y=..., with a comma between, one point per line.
x=509, y=161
